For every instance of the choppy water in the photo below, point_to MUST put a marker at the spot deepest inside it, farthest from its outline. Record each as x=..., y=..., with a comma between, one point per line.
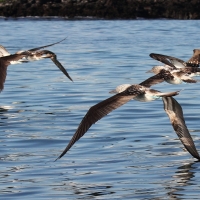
x=133, y=153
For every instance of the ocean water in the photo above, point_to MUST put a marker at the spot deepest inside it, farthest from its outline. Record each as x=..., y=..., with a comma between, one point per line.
x=133, y=153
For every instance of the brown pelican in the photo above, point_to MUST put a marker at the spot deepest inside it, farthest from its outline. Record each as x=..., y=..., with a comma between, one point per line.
x=137, y=92
x=175, y=113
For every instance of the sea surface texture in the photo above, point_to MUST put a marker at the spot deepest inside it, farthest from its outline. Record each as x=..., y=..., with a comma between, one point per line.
x=133, y=153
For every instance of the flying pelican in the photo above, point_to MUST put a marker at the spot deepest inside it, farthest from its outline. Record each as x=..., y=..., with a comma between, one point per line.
x=175, y=113
x=35, y=54
x=140, y=92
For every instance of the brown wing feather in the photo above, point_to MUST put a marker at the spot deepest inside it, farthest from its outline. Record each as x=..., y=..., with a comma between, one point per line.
x=59, y=65
x=3, y=73
x=164, y=59
x=42, y=47
x=95, y=113
x=158, y=78
x=4, y=62
x=189, y=80
x=175, y=113
x=194, y=61
x=190, y=69
x=12, y=57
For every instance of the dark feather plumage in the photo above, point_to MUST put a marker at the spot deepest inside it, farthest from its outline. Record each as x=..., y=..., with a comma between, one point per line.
x=175, y=113
x=42, y=47
x=50, y=54
x=4, y=63
x=97, y=112
x=103, y=108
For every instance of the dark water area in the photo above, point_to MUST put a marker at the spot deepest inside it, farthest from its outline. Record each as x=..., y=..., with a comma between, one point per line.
x=133, y=153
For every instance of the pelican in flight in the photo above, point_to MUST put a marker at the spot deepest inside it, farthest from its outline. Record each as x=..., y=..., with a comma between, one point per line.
x=141, y=92
x=175, y=113
x=35, y=54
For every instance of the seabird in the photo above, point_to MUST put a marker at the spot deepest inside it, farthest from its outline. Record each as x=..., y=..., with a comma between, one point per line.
x=175, y=113
x=35, y=54
x=172, y=63
x=173, y=74
x=137, y=92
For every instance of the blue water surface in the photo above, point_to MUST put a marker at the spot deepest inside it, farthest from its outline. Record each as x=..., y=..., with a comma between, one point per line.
x=133, y=153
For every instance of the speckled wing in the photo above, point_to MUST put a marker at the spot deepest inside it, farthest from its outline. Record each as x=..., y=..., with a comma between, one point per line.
x=194, y=61
x=59, y=65
x=175, y=113
x=3, y=73
x=42, y=47
x=158, y=78
x=169, y=60
x=99, y=111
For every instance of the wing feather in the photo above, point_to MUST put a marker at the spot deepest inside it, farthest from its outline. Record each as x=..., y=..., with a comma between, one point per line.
x=59, y=65
x=175, y=113
x=3, y=51
x=3, y=73
x=169, y=60
x=42, y=47
x=158, y=78
x=97, y=112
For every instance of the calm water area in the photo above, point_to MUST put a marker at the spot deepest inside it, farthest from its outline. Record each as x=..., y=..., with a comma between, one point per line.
x=133, y=153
